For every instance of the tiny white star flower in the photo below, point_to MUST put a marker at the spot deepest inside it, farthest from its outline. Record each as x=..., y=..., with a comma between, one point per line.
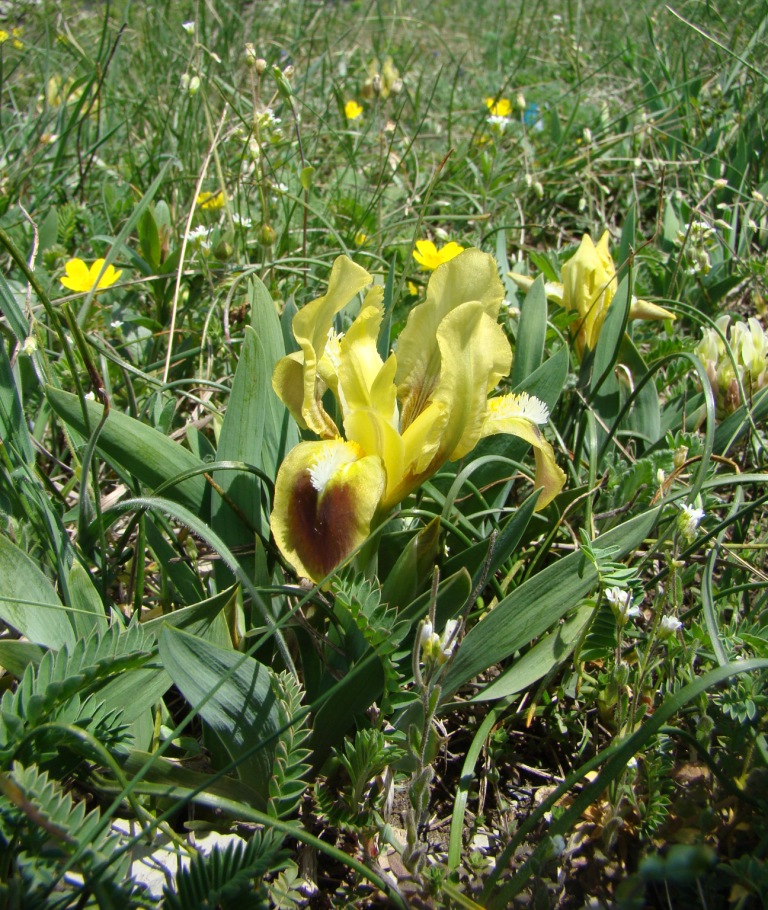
x=189, y=27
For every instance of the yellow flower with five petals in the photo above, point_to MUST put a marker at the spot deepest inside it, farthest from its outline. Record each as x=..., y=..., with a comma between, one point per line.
x=352, y=110
x=80, y=278
x=404, y=417
x=429, y=257
x=500, y=108
x=210, y=201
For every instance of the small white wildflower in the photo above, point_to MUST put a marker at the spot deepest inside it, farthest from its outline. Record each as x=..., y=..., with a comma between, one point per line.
x=632, y=763
x=426, y=632
x=669, y=626
x=198, y=236
x=495, y=121
x=90, y=396
x=622, y=602
x=688, y=521
x=241, y=220
x=448, y=640
x=189, y=27
x=116, y=323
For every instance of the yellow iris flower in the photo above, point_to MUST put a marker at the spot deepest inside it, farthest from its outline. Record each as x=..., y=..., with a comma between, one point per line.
x=588, y=287
x=79, y=277
x=403, y=417
x=429, y=257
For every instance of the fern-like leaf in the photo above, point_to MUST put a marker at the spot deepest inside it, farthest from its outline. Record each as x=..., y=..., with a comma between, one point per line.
x=287, y=784
x=224, y=879
x=50, y=834
x=363, y=759
x=377, y=622
x=64, y=688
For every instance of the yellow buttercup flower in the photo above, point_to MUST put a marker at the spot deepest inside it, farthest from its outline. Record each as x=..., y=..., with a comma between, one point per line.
x=404, y=417
x=352, y=110
x=429, y=257
x=500, y=108
x=79, y=277
x=211, y=201
x=588, y=288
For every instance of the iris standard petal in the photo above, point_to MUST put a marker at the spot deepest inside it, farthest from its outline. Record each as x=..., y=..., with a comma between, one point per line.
x=326, y=495
x=311, y=327
x=589, y=284
x=472, y=275
x=364, y=380
x=475, y=355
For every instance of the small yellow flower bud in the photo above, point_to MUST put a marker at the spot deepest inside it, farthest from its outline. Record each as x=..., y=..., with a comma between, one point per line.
x=190, y=84
x=266, y=235
x=250, y=55
x=224, y=251
x=681, y=453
